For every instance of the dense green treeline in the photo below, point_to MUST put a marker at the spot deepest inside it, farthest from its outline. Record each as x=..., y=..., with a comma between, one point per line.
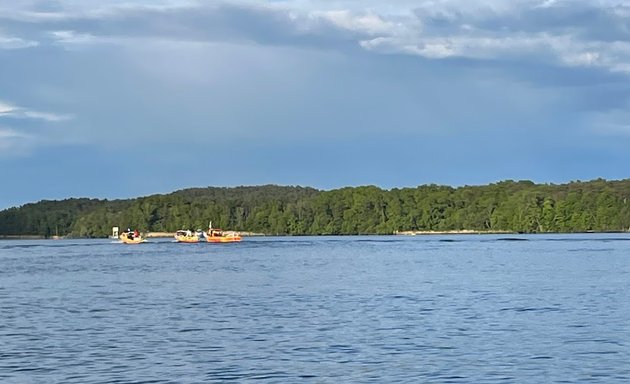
x=48, y=218
x=522, y=206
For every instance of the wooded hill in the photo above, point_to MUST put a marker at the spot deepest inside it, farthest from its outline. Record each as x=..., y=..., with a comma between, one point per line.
x=521, y=206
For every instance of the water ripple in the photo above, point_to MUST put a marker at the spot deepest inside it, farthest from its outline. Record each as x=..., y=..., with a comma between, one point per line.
x=463, y=309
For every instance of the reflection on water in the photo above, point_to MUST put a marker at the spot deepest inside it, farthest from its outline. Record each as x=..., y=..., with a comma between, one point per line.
x=447, y=309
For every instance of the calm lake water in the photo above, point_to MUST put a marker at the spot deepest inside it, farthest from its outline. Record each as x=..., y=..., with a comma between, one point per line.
x=437, y=309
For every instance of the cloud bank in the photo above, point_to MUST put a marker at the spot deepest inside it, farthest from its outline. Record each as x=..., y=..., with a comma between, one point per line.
x=566, y=33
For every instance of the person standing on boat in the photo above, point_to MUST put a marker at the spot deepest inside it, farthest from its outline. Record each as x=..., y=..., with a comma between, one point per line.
x=136, y=234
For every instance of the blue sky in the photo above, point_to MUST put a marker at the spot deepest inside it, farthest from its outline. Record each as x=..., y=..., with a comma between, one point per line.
x=128, y=98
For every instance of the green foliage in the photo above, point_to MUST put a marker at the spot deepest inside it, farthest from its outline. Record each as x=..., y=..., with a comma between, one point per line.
x=522, y=206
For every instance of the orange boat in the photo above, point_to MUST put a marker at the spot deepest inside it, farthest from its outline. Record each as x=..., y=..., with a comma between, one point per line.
x=216, y=235
x=186, y=237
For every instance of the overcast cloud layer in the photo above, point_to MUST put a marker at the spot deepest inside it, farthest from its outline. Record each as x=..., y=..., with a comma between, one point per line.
x=138, y=97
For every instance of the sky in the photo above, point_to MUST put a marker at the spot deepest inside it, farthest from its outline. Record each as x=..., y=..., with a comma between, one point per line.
x=118, y=99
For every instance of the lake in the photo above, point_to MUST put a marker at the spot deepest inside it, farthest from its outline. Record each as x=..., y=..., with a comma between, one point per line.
x=356, y=309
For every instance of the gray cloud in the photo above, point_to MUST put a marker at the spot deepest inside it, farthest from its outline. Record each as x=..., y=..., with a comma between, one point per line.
x=11, y=42
x=584, y=34
x=8, y=110
x=569, y=34
x=217, y=22
x=23, y=129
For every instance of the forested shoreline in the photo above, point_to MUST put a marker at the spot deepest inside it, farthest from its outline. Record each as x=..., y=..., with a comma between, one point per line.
x=516, y=206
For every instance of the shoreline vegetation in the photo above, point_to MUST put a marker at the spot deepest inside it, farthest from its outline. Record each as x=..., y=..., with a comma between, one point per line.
x=163, y=235
x=503, y=207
